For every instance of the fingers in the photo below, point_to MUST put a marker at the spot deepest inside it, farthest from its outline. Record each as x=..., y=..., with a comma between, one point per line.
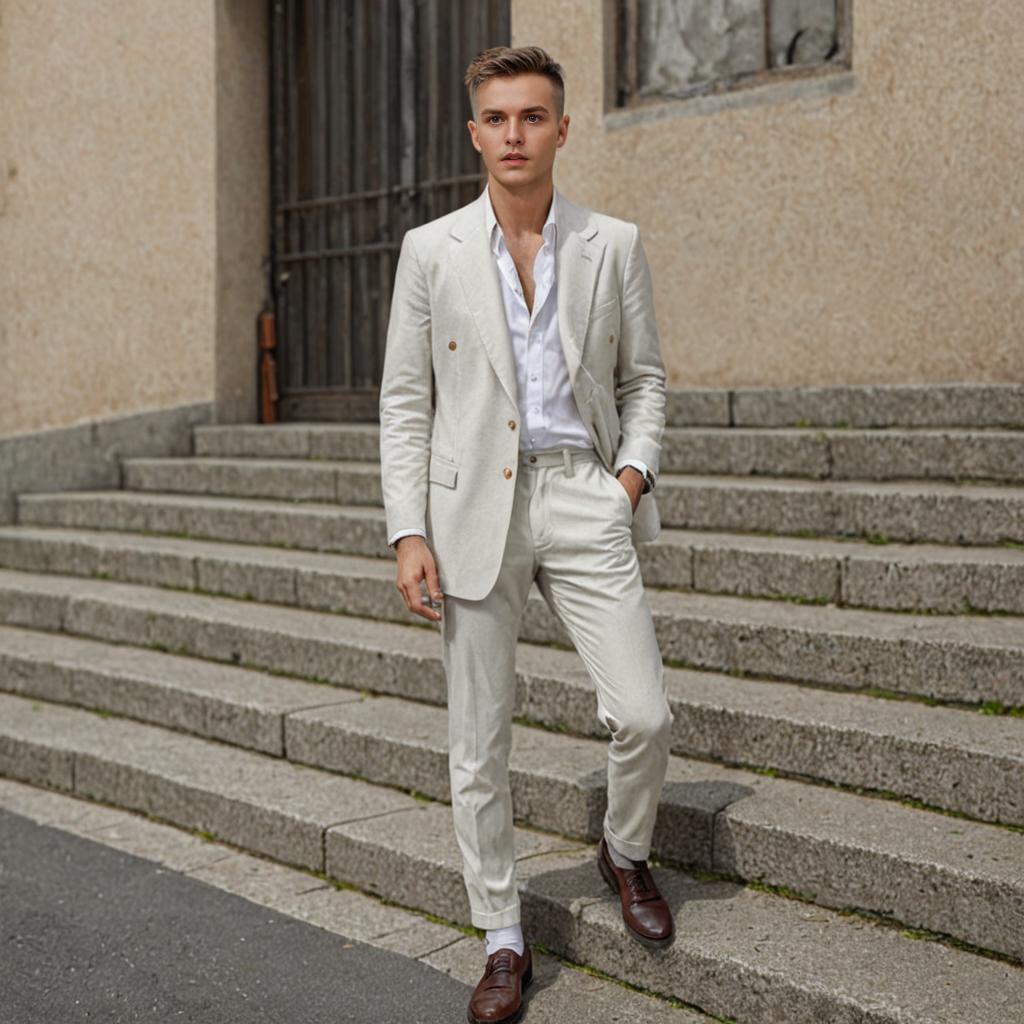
x=411, y=572
x=433, y=583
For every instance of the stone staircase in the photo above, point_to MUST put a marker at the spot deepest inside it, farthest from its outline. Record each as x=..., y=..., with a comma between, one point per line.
x=839, y=596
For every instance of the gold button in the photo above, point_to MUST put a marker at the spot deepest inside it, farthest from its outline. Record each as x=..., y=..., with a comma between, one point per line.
x=533, y=458
x=451, y=344
x=508, y=472
x=611, y=338
x=511, y=424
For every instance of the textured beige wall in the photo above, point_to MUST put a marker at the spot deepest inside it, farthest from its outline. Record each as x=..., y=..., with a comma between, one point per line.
x=126, y=234
x=872, y=236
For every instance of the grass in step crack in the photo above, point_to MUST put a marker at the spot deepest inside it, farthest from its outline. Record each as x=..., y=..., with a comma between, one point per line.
x=594, y=972
x=997, y=707
x=847, y=910
x=334, y=883
x=863, y=691
x=772, y=772
x=530, y=723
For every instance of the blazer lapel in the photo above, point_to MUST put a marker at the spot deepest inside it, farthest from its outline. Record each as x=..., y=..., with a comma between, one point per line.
x=478, y=276
x=577, y=261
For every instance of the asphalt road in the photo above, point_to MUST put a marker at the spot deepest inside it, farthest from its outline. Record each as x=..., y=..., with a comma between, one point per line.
x=89, y=933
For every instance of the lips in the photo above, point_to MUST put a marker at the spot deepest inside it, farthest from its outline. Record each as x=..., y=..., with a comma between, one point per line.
x=514, y=156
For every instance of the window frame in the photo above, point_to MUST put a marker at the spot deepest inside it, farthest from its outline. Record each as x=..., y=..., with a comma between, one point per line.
x=621, y=71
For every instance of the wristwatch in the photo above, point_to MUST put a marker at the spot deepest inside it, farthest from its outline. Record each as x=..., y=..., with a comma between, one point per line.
x=648, y=479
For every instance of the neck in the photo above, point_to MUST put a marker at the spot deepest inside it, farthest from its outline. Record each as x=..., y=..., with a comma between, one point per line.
x=521, y=211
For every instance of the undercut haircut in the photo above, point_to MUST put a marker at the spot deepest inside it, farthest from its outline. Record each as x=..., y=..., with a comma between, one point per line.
x=514, y=60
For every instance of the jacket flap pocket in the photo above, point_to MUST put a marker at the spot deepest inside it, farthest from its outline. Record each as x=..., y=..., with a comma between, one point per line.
x=604, y=306
x=442, y=472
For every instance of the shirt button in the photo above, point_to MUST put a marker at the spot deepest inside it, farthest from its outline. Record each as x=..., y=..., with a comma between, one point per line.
x=452, y=345
x=533, y=458
x=611, y=338
x=511, y=424
x=508, y=473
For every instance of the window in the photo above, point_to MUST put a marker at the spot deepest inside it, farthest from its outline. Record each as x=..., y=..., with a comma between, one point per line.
x=673, y=49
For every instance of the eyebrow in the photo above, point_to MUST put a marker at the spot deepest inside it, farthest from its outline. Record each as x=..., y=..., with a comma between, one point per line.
x=525, y=110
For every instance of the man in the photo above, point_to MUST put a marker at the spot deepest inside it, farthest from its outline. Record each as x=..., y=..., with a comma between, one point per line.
x=522, y=408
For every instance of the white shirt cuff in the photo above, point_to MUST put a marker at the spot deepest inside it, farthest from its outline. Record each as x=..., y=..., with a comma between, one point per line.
x=405, y=533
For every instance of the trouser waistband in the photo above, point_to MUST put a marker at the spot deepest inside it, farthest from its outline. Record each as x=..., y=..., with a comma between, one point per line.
x=558, y=456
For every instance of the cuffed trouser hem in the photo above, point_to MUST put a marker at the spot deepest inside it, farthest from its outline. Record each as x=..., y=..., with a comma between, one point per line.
x=497, y=918
x=635, y=851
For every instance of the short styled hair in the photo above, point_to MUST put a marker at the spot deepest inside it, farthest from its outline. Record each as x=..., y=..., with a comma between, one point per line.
x=514, y=60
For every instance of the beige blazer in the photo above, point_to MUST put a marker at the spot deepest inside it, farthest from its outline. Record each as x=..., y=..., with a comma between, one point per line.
x=449, y=416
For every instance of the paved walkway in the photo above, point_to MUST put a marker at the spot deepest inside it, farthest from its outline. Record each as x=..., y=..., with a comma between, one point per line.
x=89, y=933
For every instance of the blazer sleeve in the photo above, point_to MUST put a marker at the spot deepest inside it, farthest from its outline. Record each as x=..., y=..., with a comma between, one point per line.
x=640, y=391
x=406, y=397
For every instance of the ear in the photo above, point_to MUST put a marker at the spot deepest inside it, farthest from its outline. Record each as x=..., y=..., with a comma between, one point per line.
x=563, y=130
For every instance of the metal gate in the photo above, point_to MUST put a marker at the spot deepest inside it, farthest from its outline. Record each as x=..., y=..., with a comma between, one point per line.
x=368, y=138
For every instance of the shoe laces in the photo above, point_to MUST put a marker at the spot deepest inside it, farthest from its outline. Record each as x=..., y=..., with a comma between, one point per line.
x=640, y=883
x=500, y=960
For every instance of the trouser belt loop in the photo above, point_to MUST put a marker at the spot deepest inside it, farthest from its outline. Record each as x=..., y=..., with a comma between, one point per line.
x=567, y=461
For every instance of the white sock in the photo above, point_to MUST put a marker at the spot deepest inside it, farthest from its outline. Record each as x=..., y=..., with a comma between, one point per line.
x=618, y=858
x=510, y=937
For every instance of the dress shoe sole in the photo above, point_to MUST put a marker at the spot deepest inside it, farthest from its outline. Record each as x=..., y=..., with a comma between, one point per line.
x=512, y=1018
x=644, y=940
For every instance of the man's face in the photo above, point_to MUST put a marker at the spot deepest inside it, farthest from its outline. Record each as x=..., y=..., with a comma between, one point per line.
x=517, y=113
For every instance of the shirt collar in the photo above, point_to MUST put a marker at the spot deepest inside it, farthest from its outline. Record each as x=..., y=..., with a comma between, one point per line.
x=494, y=232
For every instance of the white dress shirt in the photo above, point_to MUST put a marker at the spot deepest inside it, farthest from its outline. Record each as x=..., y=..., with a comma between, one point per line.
x=548, y=412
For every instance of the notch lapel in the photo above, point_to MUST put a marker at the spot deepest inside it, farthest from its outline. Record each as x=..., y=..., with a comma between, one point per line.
x=577, y=261
x=478, y=277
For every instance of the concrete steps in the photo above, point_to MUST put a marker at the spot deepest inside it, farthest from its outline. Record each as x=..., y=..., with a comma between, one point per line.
x=819, y=453
x=943, y=873
x=965, y=659
x=902, y=577
x=858, y=405
x=912, y=511
x=740, y=952
x=893, y=454
x=906, y=511
x=975, y=759
x=802, y=576
x=971, y=406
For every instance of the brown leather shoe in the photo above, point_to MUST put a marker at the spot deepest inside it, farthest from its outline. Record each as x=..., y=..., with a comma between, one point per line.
x=645, y=912
x=498, y=996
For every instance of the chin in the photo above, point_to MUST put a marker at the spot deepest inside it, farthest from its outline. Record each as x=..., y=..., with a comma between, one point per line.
x=515, y=174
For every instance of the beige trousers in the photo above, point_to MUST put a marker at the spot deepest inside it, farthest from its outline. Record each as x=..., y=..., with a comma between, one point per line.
x=570, y=531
